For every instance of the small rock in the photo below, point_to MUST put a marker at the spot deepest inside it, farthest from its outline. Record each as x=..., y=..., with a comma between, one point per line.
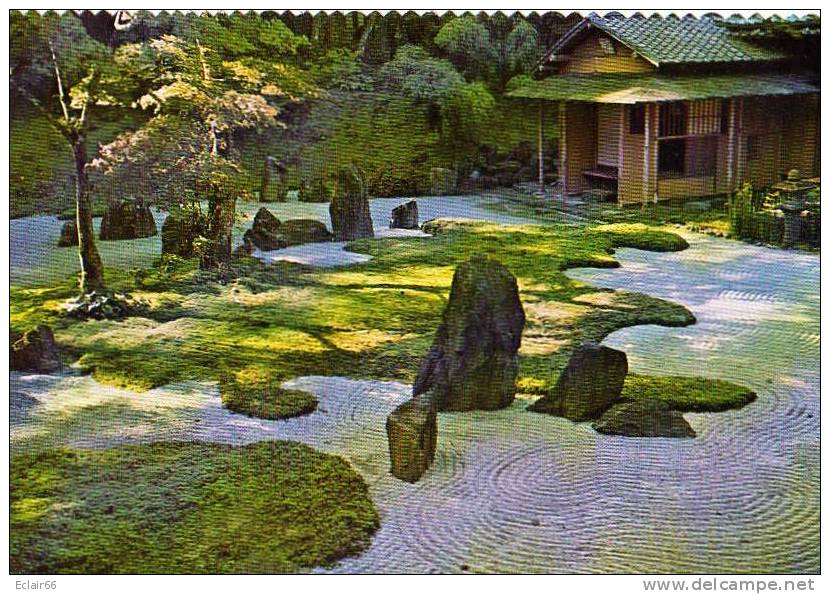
x=35, y=350
x=589, y=385
x=405, y=216
x=69, y=234
x=647, y=418
x=413, y=434
x=265, y=232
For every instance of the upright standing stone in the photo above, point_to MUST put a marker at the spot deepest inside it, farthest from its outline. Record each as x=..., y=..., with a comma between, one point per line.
x=69, y=234
x=349, y=209
x=274, y=186
x=473, y=361
x=405, y=216
x=591, y=383
x=413, y=434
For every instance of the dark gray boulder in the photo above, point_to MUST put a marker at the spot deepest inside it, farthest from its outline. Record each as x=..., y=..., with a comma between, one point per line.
x=473, y=362
x=69, y=234
x=412, y=432
x=179, y=230
x=127, y=219
x=274, y=186
x=349, y=208
x=589, y=385
x=35, y=350
x=644, y=418
x=266, y=231
x=405, y=216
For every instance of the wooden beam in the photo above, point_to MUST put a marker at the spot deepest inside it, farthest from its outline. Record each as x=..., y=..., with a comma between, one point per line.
x=541, y=151
x=563, y=146
x=646, y=152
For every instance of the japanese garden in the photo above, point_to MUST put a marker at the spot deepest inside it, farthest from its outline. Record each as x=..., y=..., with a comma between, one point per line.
x=412, y=292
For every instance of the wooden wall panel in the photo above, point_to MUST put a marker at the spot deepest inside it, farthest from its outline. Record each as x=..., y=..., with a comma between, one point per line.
x=591, y=55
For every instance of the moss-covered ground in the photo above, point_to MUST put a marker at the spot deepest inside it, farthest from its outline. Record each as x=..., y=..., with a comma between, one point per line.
x=283, y=507
x=373, y=320
x=270, y=507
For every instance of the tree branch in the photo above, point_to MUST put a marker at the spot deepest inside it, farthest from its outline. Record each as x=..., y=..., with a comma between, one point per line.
x=61, y=95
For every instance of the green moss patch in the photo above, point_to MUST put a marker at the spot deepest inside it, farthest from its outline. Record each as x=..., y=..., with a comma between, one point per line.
x=374, y=320
x=270, y=507
x=688, y=394
x=257, y=393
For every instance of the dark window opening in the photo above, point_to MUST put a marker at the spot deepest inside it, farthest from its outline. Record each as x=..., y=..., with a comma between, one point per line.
x=673, y=119
x=637, y=120
x=671, y=157
x=724, y=116
x=753, y=147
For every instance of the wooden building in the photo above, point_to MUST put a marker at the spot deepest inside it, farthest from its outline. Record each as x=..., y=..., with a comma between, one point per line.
x=655, y=108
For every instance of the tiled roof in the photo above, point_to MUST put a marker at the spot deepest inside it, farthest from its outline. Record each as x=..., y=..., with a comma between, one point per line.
x=671, y=40
x=648, y=88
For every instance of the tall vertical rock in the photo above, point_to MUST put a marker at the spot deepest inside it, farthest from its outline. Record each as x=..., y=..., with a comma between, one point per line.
x=412, y=431
x=473, y=362
x=274, y=186
x=349, y=208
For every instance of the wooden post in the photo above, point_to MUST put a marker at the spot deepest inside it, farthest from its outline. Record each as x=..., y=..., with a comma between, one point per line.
x=563, y=147
x=731, y=148
x=646, y=153
x=541, y=153
x=620, y=152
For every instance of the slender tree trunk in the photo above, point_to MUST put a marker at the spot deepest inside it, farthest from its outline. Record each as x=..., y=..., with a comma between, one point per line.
x=92, y=270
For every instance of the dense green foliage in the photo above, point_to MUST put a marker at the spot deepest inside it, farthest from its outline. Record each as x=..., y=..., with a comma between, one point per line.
x=343, y=88
x=270, y=507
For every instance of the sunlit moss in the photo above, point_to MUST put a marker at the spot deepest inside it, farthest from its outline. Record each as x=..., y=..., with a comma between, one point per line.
x=373, y=320
x=271, y=507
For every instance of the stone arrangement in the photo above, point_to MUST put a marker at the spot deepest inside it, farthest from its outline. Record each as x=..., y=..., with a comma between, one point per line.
x=127, y=219
x=269, y=233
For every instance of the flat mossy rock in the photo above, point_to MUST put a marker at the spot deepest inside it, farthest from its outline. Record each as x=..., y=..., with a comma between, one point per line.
x=271, y=507
x=473, y=362
x=412, y=432
x=299, y=231
x=349, y=208
x=127, y=219
x=405, y=216
x=35, y=350
x=591, y=382
x=69, y=234
x=644, y=418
